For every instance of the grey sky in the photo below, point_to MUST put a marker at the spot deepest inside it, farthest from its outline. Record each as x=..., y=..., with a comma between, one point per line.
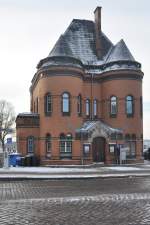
x=30, y=28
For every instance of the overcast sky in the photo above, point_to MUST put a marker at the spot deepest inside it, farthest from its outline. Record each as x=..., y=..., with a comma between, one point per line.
x=30, y=28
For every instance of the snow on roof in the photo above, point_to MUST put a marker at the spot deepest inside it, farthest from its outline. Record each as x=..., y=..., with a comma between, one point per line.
x=89, y=125
x=28, y=114
x=120, y=52
x=79, y=42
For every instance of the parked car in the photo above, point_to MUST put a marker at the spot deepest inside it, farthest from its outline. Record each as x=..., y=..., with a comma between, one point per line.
x=146, y=154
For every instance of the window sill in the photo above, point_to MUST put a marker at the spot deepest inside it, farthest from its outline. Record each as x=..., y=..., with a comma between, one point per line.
x=130, y=115
x=113, y=116
x=48, y=114
x=65, y=113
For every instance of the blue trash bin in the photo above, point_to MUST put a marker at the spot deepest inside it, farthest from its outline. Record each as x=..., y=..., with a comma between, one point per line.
x=14, y=159
x=18, y=161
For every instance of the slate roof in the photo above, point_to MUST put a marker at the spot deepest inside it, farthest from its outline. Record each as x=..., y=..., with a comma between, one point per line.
x=120, y=52
x=78, y=42
x=28, y=114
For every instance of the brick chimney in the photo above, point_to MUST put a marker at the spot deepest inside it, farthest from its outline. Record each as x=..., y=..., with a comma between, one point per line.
x=97, y=14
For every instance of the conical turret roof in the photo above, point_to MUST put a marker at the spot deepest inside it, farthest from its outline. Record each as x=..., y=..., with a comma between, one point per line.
x=120, y=52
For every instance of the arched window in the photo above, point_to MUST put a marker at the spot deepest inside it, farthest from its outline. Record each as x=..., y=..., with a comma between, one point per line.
x=30, y=144
x=87, y=103
x=48, y=143
x=113, y=106
x=48, y=104
x=79, y=105
x=65, y=146
x=129, y=105
x=95, y=107
x=66, y=103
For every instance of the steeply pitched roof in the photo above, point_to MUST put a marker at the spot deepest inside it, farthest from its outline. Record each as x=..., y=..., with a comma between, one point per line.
x=77, y=48
x=120, y=52
x=79, y=41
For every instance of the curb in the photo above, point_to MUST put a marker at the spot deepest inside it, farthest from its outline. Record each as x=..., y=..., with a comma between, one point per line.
x=73, y=177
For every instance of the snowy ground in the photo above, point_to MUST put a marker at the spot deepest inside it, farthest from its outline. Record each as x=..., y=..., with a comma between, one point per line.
x=74, y=172
x=49, y=170
x=70, y=170
x=124, y=168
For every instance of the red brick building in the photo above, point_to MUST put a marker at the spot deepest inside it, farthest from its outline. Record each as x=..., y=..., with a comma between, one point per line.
x=86, y=100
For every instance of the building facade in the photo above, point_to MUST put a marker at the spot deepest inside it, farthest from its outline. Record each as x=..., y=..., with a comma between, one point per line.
x=86, y=101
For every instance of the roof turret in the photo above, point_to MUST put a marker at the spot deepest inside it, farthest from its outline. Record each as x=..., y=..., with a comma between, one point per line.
x=120, y=52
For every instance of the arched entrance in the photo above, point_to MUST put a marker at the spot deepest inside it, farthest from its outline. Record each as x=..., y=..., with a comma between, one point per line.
x=98, y=149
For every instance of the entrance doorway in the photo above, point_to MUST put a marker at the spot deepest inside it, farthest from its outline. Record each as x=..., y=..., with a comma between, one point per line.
x=98, y=149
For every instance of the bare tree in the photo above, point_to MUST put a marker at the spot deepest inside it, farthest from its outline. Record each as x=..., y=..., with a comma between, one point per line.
x=7, y=119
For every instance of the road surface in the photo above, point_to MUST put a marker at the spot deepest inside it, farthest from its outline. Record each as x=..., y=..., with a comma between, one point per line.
x=117, y=201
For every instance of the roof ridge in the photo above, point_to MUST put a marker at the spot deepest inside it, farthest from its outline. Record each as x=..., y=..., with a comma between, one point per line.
x=83, y=20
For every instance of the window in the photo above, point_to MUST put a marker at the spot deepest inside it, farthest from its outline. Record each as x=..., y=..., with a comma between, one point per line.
x=133, y=137
x=113, y=106
x=119, y=136
x=95, y=107
x=127, y=137
x=66, y=103
x=79, y=105
x=48, y=104
x=87, y=107
x=130, y=144
x=62, y=143
x=30, y=144
x=116, y=136
x=48, y=143
x=65, y=146
x=113, y=136
x=129, y=105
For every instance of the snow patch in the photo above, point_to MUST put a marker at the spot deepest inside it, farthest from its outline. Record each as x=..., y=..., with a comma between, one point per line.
x=48, y=170
x=123, y=168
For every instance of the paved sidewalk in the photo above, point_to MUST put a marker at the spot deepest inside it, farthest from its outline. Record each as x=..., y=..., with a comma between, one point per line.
x=75, y=172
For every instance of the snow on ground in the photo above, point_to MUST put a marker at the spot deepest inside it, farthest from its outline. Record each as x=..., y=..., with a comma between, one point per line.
x=48, y=170
x=123, y=168
x=65, y=170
